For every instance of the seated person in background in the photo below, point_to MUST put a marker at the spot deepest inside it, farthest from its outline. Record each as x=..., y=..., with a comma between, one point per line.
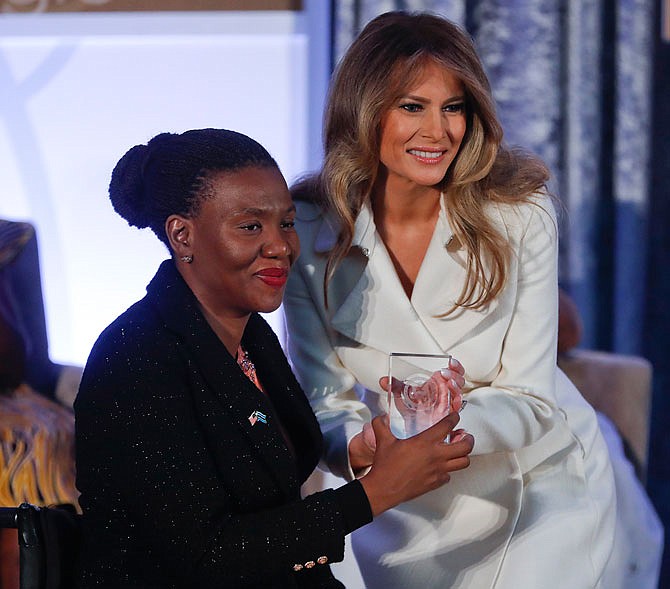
x=21, y=279
x=570, y=326
x=36, y=433
x=193, y=436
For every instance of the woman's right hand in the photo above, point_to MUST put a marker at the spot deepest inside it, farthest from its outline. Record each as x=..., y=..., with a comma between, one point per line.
x=362, y=446
x=362, y=449
x=404, y=469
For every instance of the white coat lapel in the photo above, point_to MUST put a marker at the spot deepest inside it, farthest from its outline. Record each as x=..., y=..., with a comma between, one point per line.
x=438, y=286
x=369, y=304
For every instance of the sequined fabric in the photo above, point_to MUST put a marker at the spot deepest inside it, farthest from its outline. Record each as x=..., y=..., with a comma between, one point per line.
x=178, y=488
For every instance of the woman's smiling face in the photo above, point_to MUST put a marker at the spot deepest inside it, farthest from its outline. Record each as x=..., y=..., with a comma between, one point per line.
x=244, y=241
x=422, y=132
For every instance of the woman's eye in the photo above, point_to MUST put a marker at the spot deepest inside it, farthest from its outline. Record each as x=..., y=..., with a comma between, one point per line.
x=411, y=107
x=288, y=224
x=457, y=107
x=251, y=226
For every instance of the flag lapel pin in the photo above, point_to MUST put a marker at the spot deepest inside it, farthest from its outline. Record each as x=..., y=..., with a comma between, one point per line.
x=257, y=416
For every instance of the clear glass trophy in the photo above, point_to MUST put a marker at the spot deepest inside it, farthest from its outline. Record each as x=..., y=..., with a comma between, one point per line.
x=418, y=394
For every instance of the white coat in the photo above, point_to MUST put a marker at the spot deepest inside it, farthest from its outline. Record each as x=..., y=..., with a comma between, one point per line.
x=536, y=507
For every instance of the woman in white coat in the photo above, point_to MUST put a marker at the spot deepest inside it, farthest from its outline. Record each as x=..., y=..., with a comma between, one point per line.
x=424, y=233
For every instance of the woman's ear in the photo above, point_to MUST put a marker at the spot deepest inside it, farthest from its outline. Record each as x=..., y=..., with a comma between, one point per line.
x=178, y=230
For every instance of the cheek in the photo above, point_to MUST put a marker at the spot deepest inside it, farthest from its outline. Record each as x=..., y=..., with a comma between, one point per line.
x=389, y=150
x=393, y=132
x=236, y=257
x=402, y=130
x=460, y=129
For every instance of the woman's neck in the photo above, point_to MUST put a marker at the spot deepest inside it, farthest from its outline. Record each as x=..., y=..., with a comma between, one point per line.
x=405, y=221
x=228, y=329
x=405, y=203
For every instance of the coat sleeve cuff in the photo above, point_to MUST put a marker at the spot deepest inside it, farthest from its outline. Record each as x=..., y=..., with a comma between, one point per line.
x=354, y=506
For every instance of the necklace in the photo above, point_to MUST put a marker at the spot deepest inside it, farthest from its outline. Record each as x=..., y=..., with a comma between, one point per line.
x=247, y=366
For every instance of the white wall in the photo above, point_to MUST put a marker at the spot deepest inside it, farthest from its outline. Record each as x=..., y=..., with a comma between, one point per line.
x=78, y=90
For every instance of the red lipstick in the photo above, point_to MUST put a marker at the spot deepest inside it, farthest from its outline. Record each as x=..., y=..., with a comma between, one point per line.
x=275, y=277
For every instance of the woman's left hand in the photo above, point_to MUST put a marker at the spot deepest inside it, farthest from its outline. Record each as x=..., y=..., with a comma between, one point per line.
x=455, y=375
x=444, y=386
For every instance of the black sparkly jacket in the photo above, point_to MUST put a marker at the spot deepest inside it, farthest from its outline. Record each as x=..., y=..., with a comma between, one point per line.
x=178, y=488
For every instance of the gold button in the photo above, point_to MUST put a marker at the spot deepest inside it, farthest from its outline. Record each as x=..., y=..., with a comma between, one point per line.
x=322, y=559
x=309, y=564
x=297, y=567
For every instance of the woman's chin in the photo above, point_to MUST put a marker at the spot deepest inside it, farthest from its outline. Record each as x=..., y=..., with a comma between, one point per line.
x=268, y=306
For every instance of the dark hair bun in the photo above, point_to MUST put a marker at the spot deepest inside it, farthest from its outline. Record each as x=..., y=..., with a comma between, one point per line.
x=165, y=176
x=126, y=188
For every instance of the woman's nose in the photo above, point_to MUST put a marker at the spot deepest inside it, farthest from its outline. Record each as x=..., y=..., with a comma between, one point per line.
x=435, y=124
x=277, y=247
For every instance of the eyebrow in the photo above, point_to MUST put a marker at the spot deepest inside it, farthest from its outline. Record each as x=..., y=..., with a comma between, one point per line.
x=257, y=211
x=456, y=98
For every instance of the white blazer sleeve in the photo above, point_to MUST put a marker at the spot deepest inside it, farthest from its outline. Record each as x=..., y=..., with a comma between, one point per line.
x=519, y=406
x=329, y=386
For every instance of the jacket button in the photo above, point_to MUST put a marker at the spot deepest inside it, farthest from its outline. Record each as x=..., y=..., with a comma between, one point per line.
x=309, y=564
x=322, y=559
x=297, y=567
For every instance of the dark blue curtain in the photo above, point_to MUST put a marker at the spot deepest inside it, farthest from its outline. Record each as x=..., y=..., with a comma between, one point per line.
x=656, y=320
x=586, y=85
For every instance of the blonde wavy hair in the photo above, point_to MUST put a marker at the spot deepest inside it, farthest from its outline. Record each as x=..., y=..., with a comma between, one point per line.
x=381, y=64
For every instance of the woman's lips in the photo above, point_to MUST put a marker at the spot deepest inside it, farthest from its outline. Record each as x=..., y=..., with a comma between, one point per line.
x=427, y=156
x=275, y=277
